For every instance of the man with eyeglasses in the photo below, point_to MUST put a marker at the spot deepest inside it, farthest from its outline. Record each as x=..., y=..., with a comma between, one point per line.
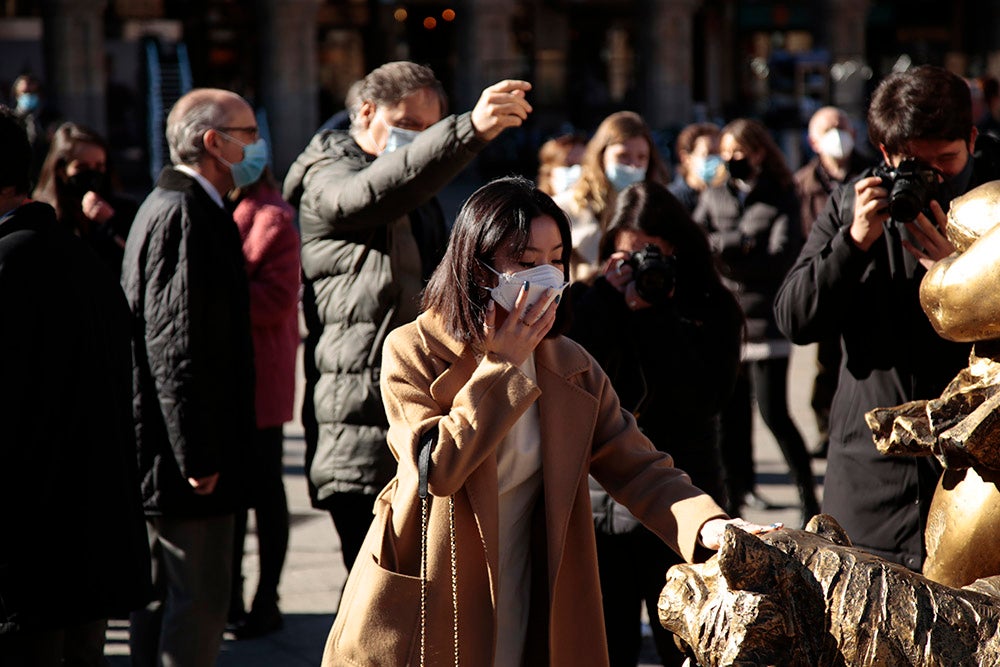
x=372, y=233
x=193, y=375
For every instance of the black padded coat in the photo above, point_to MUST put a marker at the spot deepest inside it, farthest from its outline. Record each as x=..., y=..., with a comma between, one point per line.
x=372, y=232
x=193, y=378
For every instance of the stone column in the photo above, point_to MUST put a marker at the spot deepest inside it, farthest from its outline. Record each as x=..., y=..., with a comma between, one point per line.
x=289, y=76
x=76, y=80
x=669, y=76
x=849, y=68
x=486, y=49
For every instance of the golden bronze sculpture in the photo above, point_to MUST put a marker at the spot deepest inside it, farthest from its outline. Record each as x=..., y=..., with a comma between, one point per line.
x=962, y=427
x=809, y=599
x=959, y=294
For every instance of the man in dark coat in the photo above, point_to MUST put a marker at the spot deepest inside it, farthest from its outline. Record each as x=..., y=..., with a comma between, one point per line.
x=832, y=139
x=73, y=546
x=185, y=281
x=859, y=275
x=372, y=233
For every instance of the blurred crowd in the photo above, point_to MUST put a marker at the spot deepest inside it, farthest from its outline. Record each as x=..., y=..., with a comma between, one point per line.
x=690, y=279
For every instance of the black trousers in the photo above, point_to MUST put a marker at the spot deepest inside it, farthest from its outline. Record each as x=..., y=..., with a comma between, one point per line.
x=633, y=569
x=270, y=505
x=766, y=381
x=352, y=515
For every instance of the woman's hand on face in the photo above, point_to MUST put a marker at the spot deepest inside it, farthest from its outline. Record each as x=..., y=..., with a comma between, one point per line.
x=712, y=531
x=523, y=329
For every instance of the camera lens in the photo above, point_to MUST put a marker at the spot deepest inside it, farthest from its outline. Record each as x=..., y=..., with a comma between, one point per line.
x=905, y=205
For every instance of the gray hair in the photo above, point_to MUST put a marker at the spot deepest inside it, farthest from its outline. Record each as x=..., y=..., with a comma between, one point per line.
x=389, y=84
x=186, y=131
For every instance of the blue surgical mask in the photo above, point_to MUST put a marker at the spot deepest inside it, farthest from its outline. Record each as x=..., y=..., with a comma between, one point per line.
x=248, y=170
x=707, y=168
x=398, y=137
x=623, y=175
x=27, y=102
x=563, y=178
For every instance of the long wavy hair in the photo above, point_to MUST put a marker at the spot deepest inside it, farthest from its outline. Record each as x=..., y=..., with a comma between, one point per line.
x=594, y=190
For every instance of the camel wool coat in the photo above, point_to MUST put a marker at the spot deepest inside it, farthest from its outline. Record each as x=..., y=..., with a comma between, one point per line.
x=429, y=378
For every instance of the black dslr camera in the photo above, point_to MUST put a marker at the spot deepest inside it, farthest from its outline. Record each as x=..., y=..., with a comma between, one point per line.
x=912, y=185
x=654, y=273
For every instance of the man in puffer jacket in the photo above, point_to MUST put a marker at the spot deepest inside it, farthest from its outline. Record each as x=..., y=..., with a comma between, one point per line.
x=372, y=232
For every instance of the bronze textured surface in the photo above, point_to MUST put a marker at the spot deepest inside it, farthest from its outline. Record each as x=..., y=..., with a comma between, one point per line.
x=809, y=599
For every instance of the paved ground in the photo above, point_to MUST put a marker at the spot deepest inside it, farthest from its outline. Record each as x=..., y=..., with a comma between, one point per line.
x=314, y=572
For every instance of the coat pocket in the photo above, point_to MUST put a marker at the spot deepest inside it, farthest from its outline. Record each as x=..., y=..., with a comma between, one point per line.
x=378, y=623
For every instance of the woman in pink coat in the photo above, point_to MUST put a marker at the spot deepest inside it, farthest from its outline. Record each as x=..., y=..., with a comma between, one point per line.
x=523, y=415
x=271, y=250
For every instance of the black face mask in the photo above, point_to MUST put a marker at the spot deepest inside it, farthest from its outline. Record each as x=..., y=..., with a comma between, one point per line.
x=739, y=168
x=85, y=181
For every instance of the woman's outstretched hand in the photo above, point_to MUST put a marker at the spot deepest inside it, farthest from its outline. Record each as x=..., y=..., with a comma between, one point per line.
x=713, y=530
x=519, y=334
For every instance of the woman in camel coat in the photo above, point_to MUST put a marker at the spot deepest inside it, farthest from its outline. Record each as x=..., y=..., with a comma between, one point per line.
x=523, y=415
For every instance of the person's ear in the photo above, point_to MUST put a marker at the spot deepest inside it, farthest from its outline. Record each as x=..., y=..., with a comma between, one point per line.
x=885, y=154
x=212, y=141
x=972, y=139
x=366, y=114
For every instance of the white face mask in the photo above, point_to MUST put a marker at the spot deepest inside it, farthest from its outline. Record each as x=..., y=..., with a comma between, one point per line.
x=836, y=143
x=539, y=278
x=563, y=178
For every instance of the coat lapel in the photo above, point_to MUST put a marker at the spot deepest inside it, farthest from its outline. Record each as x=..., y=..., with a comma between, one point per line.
x=567, y=415
x=481, y=487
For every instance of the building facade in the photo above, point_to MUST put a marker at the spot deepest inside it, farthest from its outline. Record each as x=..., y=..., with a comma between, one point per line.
x=116, y=65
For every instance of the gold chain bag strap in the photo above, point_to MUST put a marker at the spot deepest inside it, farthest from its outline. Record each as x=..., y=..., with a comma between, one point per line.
x=427, y=441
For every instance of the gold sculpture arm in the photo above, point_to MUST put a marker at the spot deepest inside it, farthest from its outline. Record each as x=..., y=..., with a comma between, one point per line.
x=960, y=293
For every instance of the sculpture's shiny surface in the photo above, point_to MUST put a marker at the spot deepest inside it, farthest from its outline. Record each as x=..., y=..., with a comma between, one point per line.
x=809, y=599
x=961, y=296
x=960, y=293
x=963, y=527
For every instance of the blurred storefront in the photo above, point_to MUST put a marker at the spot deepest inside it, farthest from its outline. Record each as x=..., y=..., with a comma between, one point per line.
x=117, y=65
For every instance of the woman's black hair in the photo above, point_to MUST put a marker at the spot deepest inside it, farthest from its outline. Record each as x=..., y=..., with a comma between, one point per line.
x=497, y=217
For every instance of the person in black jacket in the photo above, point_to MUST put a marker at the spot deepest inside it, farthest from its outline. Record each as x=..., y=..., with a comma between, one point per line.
x=73, y=549
x=372, y=233
x=670, y=343
x=186, y=283
x=859, y=275
x=75, y=180
x=752, y=222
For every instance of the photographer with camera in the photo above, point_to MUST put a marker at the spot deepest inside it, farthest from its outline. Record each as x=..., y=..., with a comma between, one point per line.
x=859, y=275
x=667, y=333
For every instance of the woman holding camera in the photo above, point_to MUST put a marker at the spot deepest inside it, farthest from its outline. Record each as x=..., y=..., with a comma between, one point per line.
x=667, y=333
x=752, y=222
x=620, y=153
